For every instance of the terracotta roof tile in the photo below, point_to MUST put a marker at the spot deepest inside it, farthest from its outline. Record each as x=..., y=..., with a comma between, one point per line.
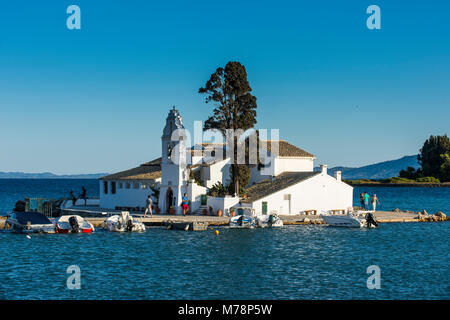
x=288, y=150
x=147, y=171
x=282, y=181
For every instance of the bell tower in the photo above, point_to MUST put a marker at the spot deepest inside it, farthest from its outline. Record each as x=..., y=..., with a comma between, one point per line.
x=174, y=174
x=173, y=122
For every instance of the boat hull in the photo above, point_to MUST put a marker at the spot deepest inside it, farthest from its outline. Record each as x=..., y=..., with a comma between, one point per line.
x=18, y=228
x=65, y=225
x=242, y=222
x=269, y=221
x=70, y=231
x=186, y=226
x=123, y=223
x=348, y=220
x=29, y=222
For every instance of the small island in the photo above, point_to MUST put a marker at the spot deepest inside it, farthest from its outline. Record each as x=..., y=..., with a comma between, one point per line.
x=434, y=159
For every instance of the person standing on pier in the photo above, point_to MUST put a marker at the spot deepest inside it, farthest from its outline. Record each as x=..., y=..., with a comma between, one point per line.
x=366, y=200
x=374, y=201
x=361, y=199
x=185, y=203
x=148, y=207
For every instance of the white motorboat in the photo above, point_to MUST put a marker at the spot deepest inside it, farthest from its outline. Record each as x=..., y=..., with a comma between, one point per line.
x=73, y=224
x=124, y=222
x=359, y=219
x=244, y=219
x=271, y=220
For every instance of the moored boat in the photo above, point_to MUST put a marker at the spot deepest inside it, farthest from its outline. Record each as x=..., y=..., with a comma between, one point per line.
x=186, y=226
x=271, y=220
x=244, y=219
x=359, y=219
x=73, y=224
x=29, y=222
x=124, y=222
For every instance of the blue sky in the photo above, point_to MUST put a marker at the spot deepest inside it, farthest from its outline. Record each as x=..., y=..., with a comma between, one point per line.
x=95, y=99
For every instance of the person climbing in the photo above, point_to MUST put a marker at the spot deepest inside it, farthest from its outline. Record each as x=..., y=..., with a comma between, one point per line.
x=148, y=206
x=74, y=199
x=185, y=204
x=83, y=194
x=366, y=200
x=374, y=201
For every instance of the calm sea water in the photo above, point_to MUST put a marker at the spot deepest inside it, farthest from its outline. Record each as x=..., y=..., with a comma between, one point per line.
x=296, y=262
x=12, y=190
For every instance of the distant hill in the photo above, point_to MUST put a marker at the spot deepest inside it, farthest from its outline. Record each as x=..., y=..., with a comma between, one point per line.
x=48, y=175
x=381, y=170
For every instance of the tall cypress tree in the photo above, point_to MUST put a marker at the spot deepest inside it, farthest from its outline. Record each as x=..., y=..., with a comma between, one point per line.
x=235, y=108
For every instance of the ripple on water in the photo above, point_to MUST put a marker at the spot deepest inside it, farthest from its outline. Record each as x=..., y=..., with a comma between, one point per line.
x=296, y=262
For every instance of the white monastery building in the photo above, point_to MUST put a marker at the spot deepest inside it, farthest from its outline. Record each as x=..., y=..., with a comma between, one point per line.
x=289, y=185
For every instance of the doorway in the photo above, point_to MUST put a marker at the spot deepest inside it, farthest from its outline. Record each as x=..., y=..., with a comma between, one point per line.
x=169, y=199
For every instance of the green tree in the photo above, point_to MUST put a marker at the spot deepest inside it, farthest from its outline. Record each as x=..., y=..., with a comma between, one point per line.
x=409, y=173
x=235, y=108
x=445, y=167
x=430, y=156
x=243, y=176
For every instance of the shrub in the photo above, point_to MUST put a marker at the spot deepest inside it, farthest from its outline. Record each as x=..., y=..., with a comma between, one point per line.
x=218, y=189
x=428, y=179
x=397, y=180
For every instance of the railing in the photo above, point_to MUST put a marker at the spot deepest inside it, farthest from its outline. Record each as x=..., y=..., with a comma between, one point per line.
x=41, y=205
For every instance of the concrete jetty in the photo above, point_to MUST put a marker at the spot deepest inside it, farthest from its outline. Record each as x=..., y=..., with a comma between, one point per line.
x=301, y=219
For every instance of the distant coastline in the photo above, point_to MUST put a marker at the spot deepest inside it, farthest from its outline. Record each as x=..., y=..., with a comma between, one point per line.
x=362, y=183
x=49, y=175
x=376, y=171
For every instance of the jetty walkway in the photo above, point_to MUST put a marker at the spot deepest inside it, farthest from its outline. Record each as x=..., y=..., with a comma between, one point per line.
x=97, y=217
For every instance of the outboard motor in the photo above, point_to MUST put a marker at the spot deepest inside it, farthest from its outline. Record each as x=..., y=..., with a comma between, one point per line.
x=371, y=220
x=74, y=224
x=270, y=221
x=239, y=221
x=129, y=226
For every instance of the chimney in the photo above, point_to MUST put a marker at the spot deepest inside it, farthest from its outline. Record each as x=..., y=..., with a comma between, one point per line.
x=338, y=175
x=323, y=168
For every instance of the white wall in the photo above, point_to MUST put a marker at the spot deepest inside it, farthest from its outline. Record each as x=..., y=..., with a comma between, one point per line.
x=195, y=192
x=321, y=192
x=222, y=203
x=219, y=171
x=125, y=197
x=173, y=175
x=280, y=165
x=293, y=165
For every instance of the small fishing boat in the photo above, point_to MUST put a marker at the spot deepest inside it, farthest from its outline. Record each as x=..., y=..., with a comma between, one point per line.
x=244, y=219
x=29, y=222
x=73, y=224
x=271, y=220
x=186, y=226
x=359, y=219
x=123, y=222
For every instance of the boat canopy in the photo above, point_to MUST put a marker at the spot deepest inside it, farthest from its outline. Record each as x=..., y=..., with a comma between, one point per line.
x=33, y=217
